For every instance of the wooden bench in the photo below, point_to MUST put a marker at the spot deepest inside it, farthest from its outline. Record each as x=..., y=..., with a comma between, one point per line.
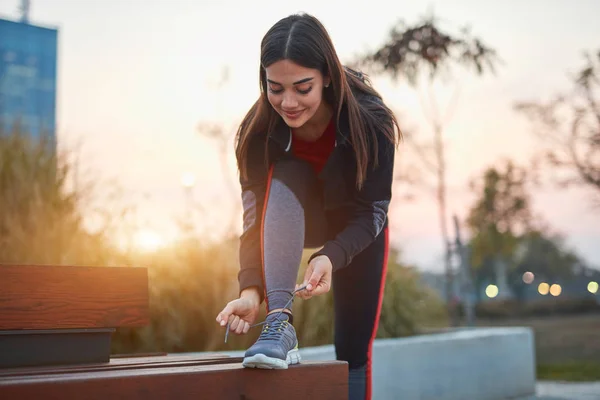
x=51, y=315
x=176, y=377
x=56, y=324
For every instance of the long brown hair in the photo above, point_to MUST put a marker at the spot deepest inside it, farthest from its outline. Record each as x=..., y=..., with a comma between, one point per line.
x=302, y=39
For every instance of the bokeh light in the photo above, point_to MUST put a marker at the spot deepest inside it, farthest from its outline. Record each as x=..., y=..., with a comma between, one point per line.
x=555, y=290
x=491, y=291
x=188, y=180
x=543, y=288
x=528, y=277
x=592, y=287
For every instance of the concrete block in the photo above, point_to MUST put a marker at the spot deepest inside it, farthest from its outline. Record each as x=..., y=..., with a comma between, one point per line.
x=469, y=364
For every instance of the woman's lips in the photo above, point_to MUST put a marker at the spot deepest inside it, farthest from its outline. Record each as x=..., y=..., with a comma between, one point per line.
x=292, y=115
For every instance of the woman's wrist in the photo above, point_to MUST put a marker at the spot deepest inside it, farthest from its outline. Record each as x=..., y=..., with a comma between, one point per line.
x=252, y=294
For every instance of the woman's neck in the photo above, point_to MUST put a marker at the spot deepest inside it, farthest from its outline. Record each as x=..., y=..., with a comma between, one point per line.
x=313, y=129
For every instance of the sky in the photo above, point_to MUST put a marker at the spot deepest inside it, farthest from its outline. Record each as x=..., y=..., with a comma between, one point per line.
x=136, y=79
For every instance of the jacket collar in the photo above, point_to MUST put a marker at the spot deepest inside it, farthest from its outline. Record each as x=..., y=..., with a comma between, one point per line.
x=282, y=134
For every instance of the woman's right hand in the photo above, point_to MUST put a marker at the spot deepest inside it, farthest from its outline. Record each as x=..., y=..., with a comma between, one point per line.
x=241, y=313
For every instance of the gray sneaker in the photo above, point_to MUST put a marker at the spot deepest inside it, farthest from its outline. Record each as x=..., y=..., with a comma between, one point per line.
x=276, y=347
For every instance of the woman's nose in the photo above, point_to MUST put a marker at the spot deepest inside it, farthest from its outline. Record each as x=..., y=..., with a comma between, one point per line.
x=289, y=101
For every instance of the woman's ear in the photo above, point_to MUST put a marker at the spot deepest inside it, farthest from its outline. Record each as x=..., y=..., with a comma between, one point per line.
x=326, y=81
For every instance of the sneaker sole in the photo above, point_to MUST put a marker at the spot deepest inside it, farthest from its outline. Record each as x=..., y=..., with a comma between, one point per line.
x=265, y=362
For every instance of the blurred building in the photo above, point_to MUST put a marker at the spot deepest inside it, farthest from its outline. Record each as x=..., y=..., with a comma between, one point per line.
x=28, y=70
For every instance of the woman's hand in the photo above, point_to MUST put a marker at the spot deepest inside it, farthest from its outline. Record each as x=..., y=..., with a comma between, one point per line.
x=242, y=312
x=317, y=278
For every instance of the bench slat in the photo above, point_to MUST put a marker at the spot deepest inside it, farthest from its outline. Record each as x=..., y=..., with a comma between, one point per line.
x=62, y=297
x=312, y=380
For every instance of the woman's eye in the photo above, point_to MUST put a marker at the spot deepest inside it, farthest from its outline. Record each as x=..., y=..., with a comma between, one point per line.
x=304, y=91
x=275, y=91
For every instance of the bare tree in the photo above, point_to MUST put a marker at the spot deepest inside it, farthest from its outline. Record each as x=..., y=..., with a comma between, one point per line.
x=569, y=128
x=424, y=50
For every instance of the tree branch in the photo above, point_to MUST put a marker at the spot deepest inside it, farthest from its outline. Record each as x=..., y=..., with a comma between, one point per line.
x=422, y=156
x=585, y=170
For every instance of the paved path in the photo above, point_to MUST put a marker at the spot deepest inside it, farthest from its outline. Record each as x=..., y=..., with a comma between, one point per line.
x=550, y=390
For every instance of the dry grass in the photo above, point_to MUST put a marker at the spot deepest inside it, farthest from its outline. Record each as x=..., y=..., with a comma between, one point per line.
x=561, y=339
x=190, y=284
x=40, y=219
x=567, y=347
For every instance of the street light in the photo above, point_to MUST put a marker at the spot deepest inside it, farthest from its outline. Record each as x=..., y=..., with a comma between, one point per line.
x=491, y=291
x=528, y=277
x=543, y=288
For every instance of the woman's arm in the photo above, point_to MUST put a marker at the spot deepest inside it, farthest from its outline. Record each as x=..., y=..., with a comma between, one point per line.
x=254, y=189
x=371, y=207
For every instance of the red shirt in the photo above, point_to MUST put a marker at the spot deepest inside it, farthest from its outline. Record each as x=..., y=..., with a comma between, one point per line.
x=317, y=152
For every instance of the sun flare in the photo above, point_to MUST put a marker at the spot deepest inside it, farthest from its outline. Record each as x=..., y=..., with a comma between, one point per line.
x=148, y=240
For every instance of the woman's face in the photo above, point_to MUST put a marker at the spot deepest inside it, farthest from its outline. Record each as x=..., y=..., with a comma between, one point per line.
x=295, y=92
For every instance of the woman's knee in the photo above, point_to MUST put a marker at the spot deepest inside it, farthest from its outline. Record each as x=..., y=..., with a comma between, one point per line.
x=297, y=175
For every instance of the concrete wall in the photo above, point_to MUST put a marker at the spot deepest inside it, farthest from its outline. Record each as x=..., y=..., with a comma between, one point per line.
x=475, y=364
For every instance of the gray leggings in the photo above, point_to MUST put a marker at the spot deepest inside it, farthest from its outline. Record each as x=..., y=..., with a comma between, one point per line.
x=294, y=219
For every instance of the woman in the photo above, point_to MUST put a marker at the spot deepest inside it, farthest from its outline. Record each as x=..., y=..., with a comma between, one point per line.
x=315, y=155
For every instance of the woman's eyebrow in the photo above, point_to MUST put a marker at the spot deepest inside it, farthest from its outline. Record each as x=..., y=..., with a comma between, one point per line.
x=295, y=83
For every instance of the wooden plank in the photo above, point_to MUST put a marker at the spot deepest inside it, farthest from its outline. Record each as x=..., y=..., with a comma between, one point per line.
x=123, y=363
x=55, y=297
x=131, y=355
x=313, y=380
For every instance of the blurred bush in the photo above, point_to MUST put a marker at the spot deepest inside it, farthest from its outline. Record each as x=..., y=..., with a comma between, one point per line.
x=41, y=221
x=40, y=217
x=514, y=308
x=409, y=306
x=191, y=283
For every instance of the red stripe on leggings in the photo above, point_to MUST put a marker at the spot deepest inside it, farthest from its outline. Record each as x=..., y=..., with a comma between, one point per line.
x=369, y=384
x=262, y=233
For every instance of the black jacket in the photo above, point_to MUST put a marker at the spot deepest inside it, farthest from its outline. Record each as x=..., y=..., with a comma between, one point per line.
x=365, y=210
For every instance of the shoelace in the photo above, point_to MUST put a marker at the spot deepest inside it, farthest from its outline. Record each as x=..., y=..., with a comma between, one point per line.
x=274, y=330
x=276, y=316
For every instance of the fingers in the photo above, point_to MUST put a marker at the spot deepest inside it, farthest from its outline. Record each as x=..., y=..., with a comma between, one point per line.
x=303, y=294
x=300, y=293
x=307, y=274
x=229, y=315
x=224, y=315
x=319, y=281
x=239, y=326
x=321, y=288
x=314, y=280
x=234, y=321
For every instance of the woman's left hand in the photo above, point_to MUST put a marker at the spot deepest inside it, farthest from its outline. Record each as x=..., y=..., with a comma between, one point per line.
x=317, y=278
